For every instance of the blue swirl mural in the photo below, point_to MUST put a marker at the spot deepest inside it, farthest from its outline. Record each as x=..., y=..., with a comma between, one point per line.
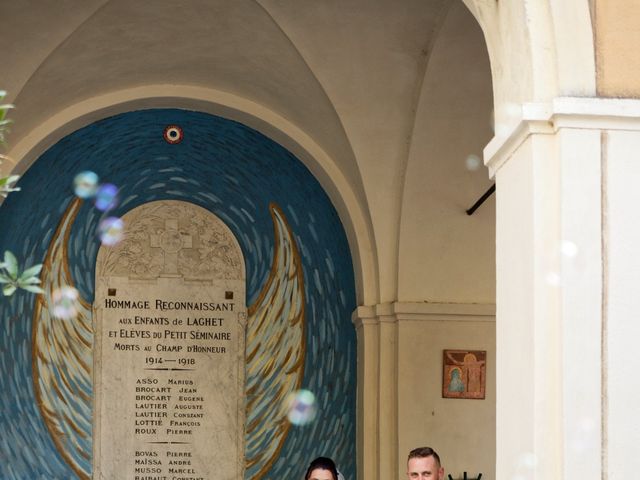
x=236, y=173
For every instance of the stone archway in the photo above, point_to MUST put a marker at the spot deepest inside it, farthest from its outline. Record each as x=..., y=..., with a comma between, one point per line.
x=547, y=164
x=340, y=189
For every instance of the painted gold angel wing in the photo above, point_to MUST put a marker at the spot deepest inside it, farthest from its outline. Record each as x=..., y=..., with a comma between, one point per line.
x=62, y=358
x=275, y=348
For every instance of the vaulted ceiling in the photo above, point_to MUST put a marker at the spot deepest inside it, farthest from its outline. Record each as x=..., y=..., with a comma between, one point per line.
x=326, y=66
x=352, y=75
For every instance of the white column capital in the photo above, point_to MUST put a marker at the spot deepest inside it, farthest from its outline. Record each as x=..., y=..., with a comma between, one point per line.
x=562, y=112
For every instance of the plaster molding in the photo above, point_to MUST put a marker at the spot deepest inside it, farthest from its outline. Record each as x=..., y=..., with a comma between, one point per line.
x=423, y=311
x=586, y=113
x=364, y=313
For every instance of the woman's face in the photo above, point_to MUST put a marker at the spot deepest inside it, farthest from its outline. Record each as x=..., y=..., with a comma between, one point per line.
x=321, y=474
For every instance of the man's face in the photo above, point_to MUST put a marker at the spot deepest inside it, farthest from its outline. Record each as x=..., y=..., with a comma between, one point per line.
x=425, y=468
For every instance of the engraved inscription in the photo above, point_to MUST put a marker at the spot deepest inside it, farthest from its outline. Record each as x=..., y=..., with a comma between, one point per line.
x=170, y=348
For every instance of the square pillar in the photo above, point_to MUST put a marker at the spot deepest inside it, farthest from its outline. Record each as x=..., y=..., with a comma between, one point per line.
x=567, y=181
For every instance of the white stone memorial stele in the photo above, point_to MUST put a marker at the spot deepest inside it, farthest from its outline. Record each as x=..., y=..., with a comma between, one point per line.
x=170, y=319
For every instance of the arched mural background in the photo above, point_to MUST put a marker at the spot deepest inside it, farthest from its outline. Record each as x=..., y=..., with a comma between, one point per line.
x=229, y=169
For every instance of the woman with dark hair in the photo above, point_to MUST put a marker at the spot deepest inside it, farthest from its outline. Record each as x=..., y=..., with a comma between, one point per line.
x=322, y=468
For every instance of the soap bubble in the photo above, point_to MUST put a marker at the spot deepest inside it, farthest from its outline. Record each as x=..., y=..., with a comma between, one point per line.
x=569, y=249
x=65, y=302
x=473, y=162
x=106, y=197
x=111, y=231
x=301, y=407
x=85, y=184
x=527, y=461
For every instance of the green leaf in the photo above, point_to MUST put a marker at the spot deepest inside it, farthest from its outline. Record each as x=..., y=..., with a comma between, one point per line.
x=32, y=288
x=8, y=290
x=9, y=180
x=11, y=264
x=4, y=109
x=5, y=279
x=28, y=281
x=31, y=272
x=6, y=186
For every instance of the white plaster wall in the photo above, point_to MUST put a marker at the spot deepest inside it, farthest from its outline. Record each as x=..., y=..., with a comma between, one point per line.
x=515, y=313
x=446, y=255
x=462, y=431
x=549, y=298
x=621, y=325
x=581, y=301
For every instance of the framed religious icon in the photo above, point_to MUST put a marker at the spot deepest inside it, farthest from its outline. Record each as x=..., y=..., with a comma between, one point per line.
x=464, y=374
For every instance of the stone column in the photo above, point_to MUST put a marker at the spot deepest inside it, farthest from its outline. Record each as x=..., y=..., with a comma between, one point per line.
x=566, y=273
x=368, y=336
x=377, y=392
